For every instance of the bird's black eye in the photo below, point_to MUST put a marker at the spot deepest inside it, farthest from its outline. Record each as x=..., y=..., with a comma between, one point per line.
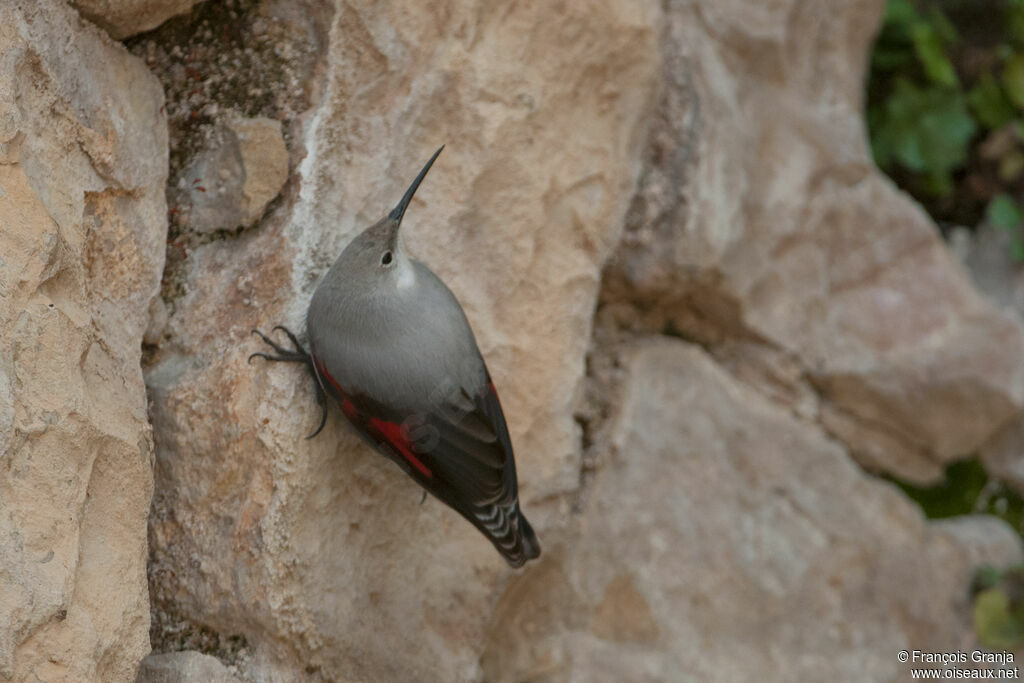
x=386, y=258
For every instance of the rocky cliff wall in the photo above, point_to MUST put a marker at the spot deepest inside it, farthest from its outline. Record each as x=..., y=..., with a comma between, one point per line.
x=710, y=318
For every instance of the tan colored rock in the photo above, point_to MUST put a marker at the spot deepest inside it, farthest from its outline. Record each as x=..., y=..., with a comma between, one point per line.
x=716, y=530
x=987, y=252
x=762, y=218
x=1003, y=454
x=184, y=667
x=319, y=552
x=83, y=155
x=123, y=18
x=229, y=184
x=988, y=256
x=727, y=541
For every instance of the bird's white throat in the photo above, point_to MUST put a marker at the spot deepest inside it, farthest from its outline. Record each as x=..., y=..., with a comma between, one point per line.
x=406, y=274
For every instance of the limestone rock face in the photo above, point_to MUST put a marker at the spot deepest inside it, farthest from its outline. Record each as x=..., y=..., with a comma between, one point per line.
x=83, y=163
x=762, y=227
x=616, y=173
x=183, y=667
x=230, y=184
x=312, y=550
x=988, y=256
x=716, y=548
x=123, y=18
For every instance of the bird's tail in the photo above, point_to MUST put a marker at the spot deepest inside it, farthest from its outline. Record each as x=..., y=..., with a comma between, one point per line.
x=508, y=530
x=528, y=547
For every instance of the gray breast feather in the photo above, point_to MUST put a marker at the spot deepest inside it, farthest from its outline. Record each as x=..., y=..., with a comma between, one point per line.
x=410, y=349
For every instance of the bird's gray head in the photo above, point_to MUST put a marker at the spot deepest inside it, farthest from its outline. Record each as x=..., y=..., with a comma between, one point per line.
x=378, y=254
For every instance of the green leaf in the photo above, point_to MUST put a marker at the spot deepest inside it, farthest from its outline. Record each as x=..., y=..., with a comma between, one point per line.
x=1013, y=79
x=997, y=625
x=1011, y=166
x=944, y=28
x=1003, y=212
x=989, y=104
x=1015, y=23
x=925, y=130
x=892, y=57
x=931, y=51
x=1017, y=249
x=985, y=577
x=939, y=183
x=957, y=494
x=900, y=12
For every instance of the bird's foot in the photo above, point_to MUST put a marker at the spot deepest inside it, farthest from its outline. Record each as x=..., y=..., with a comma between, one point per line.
x=296, y=355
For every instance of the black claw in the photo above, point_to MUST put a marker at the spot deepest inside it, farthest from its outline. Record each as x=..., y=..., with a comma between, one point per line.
x=286, y=357
x=323, y=419
x=295, y=341
x=321, y=398
x=272, y=344
x=424, y=498
x=296, y=355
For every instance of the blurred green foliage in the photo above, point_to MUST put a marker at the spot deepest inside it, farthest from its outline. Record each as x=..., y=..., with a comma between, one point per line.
x=946, y=121
x=934, y=98
x=966, y=489
x=998, y=611
x=1004, y=212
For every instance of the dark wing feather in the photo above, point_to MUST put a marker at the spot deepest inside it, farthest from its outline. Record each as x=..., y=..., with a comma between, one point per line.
x=474, y=458
x=458, y=449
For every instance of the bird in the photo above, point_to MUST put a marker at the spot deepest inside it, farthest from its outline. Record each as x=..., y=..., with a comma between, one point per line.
x=391, y=345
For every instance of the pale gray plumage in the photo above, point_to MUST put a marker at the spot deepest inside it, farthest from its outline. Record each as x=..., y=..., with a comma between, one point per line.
x=355, y=310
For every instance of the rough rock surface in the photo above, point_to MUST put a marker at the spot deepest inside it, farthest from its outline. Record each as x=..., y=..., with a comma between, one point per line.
x=696, y=169
x=184, y=667
x=312, y=549
x=987, y=254
x=230, y=184
x=123, y=18
x=736, y=560
x=787, y=251
x=83, y=154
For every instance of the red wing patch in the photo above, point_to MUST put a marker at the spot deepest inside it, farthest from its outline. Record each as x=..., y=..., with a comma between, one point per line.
x=392, y=433
x=389, y=432
x=348, y=407
x=490, y=387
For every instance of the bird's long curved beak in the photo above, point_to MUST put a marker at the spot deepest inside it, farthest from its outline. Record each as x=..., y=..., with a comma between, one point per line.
x=399, y=211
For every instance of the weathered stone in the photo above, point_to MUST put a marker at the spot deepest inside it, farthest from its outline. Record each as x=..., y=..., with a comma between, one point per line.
x=1003, y=454
x=229, y=184
x=727, y=541
x=123, y=18
x=184, y=667
x=313, y=549
x=761, y=217
x=83, y=162
x=716, y=529
x=988, y=254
